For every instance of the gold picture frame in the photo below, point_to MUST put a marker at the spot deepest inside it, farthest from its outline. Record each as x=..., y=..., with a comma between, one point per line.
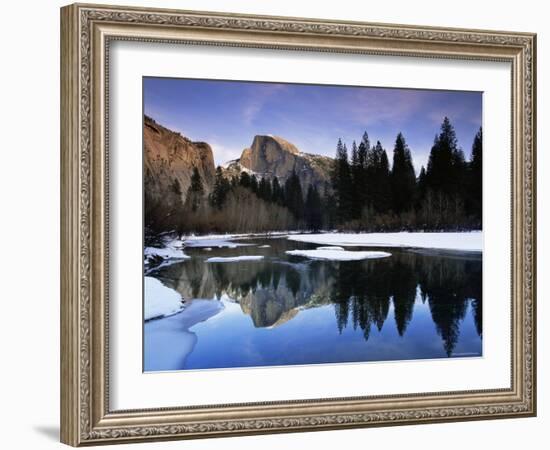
x=86, y=33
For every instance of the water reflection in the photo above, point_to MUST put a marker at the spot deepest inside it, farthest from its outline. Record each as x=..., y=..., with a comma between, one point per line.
x=365, y=296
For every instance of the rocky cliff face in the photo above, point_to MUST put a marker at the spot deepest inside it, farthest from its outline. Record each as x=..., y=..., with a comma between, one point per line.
x=272, y=156
x=169, y=156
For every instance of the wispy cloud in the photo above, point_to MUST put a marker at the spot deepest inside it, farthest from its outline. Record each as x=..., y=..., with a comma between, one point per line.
x=228, y=114
x=258, y=97
x=371, y=106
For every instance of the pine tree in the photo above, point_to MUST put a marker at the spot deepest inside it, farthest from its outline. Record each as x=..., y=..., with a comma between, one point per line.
x=244, y=180
x=421, y=186
x=372, y=162
x=254, y=184
x=220, y=190
x=329, y=207
x=356, y=181
x=382, y=198
x=294, y=199
x=459, y=174
x=264, y=190
x=277, y=194
x=446, y=180
x=342, y=183
x=313, y=209
x=476, y=177
x=361, y=185
x=440, y=173
x=196, y=190
x=172, y=202
x=403, y=178
x=365, y=140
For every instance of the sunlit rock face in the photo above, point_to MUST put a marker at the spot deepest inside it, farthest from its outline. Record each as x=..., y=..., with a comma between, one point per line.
x=169, y=156
x=273, y=156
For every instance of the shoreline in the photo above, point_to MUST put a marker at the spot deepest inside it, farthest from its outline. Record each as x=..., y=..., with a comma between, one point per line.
x=461, y=241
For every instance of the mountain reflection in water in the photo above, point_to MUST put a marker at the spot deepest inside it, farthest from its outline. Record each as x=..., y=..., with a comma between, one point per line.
x=378, y=297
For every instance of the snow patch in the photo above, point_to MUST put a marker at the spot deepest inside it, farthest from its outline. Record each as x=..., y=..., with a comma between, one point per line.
x=173, y=336
x=234, y=259
x=159, y=300
x=171, y=250
x=328, y=253
x=212, y=242
x=231, y=236
x=236, y=165
x=471, y=241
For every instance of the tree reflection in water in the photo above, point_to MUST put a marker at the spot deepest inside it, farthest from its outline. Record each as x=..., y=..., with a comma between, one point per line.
x=362, y=293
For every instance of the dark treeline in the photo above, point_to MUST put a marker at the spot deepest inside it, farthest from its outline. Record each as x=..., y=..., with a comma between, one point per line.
x=446, y=195
x=246, y=203
x=297, y=208
x=364, y=194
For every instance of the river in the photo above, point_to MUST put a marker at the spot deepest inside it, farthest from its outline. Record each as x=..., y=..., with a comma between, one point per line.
x=286, y=309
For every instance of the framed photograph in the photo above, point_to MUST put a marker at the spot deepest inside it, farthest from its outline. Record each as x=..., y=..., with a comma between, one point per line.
x=276, y=224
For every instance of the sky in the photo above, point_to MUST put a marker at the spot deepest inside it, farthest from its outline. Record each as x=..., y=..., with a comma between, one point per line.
x=228, y=114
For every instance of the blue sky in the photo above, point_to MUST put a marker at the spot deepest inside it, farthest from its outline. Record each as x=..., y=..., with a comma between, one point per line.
x=227, y=114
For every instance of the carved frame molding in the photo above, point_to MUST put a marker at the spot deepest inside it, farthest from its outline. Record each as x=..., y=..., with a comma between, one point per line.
x=86, y=32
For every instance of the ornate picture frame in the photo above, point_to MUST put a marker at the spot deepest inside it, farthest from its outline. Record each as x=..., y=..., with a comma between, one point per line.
x=87, y=32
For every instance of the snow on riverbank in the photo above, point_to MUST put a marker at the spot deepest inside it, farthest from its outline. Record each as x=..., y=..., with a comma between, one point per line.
x=168, y=342
x=337, y=254
x=210, y=243
x=165, y=252
x=172, y=250
x=230, y=236
x=215, y=240
x=228, y=240
x=467, y=241
x=234, y=259
x=160, y=301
